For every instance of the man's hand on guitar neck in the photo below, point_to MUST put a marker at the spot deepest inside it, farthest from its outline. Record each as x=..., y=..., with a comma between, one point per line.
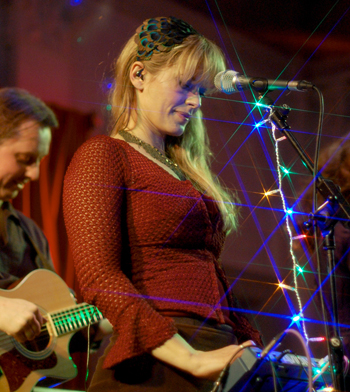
x=20, y=319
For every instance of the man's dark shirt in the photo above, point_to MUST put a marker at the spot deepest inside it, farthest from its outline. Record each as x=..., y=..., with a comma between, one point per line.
x=18, y=256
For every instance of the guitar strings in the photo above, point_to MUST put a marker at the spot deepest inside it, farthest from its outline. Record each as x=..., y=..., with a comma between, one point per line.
x=78, y=318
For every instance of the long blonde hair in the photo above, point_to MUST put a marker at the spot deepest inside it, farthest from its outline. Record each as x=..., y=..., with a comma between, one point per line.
x=196, y=58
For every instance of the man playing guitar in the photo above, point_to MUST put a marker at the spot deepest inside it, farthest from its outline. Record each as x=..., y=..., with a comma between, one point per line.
x=25, y=136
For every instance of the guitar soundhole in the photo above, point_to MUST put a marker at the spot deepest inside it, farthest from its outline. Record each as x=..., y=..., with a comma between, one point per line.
x=40, y=343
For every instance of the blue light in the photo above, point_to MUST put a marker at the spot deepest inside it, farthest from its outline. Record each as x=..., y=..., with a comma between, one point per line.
x=296, y=318
x=259, y=124
x=290, y=211
x=107, y=84
x=75, y=2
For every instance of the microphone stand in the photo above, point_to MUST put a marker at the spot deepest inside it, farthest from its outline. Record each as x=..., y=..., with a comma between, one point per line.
x=335, y=209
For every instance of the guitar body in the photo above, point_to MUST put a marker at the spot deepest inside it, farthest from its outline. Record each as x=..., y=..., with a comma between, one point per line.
x=23, y=365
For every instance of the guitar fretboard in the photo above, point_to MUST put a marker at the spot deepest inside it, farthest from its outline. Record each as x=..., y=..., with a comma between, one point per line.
x=74, y=319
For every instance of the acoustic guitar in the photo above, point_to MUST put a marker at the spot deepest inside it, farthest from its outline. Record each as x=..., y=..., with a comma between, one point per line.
x=22, y=365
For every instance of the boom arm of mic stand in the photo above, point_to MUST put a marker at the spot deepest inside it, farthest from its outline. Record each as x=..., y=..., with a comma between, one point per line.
x=326, y=187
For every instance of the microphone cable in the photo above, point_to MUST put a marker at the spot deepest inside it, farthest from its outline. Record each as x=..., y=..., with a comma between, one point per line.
x=221, y=380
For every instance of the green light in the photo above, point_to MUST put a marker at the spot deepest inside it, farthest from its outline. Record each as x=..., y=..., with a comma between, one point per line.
x=285, y=170
x=304, y=164
x=109, y=107
x=79, y=39
x=300, y=269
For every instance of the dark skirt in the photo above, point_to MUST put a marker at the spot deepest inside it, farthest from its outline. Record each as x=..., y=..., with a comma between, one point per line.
x=147, y=374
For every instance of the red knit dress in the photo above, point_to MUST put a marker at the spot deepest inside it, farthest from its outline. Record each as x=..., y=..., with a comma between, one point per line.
x=144, y=243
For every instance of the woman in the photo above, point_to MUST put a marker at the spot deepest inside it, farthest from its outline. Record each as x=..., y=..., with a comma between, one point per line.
x=147, y=221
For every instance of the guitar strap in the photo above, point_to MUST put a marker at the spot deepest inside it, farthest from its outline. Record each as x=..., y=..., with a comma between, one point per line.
x=45, y=263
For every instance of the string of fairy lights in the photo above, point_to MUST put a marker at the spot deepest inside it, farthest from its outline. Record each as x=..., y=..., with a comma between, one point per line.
x=281, y=170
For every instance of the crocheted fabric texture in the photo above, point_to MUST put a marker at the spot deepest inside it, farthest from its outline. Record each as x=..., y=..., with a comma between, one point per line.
x=143, y=242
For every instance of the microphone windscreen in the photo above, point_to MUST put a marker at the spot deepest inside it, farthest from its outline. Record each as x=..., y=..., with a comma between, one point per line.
x=223, y=81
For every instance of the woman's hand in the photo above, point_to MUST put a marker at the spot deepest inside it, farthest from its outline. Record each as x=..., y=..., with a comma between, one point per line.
x=209, y=364
x=202, y=364
x=20, y=319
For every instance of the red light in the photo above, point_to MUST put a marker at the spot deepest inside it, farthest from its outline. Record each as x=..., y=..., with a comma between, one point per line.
x=318, y=339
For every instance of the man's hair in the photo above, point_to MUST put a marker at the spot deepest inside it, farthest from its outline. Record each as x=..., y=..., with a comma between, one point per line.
x=17, y=106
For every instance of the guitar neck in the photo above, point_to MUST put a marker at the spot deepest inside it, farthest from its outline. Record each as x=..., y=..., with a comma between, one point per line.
x=71, y=320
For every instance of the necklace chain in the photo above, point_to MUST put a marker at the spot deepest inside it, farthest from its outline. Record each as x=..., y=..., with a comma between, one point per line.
x=154, y=152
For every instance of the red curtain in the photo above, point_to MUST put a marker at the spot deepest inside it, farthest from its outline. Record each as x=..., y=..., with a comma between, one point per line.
x=42, y=200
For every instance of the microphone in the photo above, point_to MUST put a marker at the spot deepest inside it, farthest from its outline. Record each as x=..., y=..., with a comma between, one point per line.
x=230, y=81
